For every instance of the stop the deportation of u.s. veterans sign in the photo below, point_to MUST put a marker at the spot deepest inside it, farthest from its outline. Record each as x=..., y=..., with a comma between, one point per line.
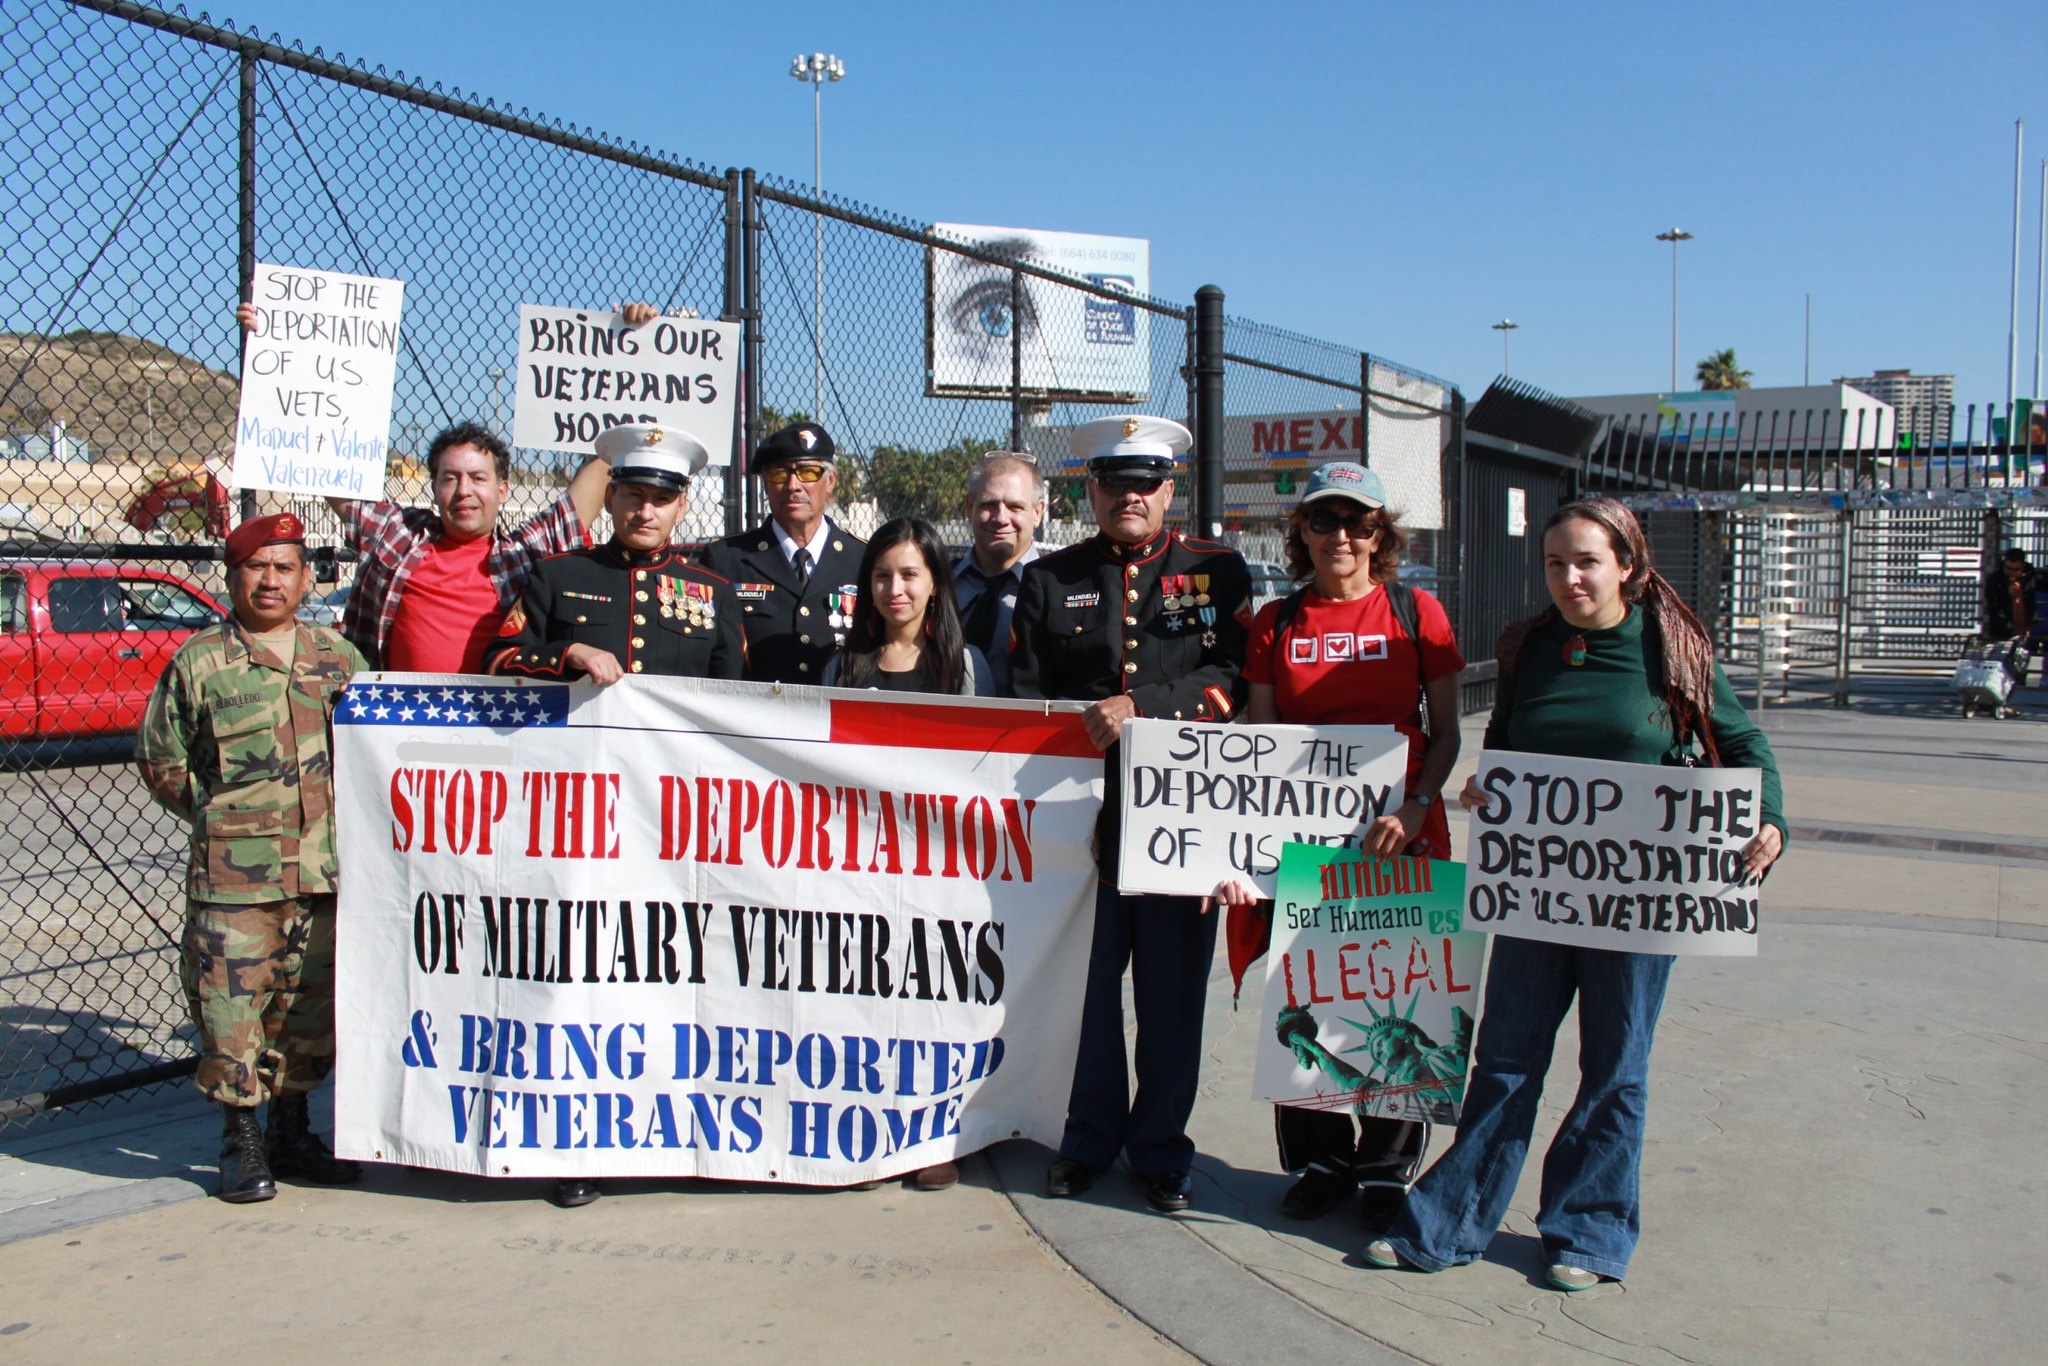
x=1634, y=857
x=317, y=371
x=1204, y=802
x=691, y=928
x=582, y=371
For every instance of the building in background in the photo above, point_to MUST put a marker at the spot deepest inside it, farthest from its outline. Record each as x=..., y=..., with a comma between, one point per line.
x=1924, y=403
x=1811, y=416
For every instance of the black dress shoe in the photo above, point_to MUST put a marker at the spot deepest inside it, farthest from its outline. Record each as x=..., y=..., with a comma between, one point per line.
x=1316, y=1194
x=1068, y=1176
x=1167, y=1192
x=570, y=1194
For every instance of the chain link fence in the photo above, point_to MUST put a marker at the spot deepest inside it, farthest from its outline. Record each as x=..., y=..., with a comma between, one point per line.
x=150, y=160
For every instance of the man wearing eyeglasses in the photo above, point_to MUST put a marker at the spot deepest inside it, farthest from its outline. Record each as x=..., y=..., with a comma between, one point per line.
x=1135, y=621
x=795, y=575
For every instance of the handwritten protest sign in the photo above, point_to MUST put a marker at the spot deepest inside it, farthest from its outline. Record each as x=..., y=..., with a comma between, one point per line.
x=676, y=927
x=315, y=414
x=1634, y=857
x=1371, y=987
x=1203, y=803
x=582, y=371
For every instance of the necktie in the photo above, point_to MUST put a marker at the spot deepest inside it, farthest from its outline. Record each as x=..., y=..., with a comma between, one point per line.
x=982, y=614
x=803, y=568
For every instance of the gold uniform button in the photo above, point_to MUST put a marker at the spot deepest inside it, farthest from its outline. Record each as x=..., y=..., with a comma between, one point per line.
x=1131, y=643
x=636, y=666
x=804, y=640
x=803, y=668
x=581, y=619
x=639, y=574
x=1077, y=630
x=1130, y=668
x=1132, y=571
x=639, y=619
x=803, y=611
x=638, y=643
x=1130, y=621
x=641, y=594
x=1132, y=595
x=749, y=607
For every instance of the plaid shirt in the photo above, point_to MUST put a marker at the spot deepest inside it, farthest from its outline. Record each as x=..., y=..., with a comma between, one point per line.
x=393, y=539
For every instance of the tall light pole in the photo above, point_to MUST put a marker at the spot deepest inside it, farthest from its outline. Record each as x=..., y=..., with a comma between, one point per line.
x=818, y=68
x=1674, y=237
x=1505, y=326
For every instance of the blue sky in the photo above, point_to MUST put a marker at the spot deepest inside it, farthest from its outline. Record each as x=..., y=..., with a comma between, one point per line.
x=1393, y=178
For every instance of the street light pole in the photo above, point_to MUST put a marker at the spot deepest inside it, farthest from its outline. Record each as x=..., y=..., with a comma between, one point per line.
x=818, y=68
x=1505, y=326
x=1674, y=237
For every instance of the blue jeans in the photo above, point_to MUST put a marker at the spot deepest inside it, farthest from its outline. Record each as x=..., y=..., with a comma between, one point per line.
x=1590, y=1215
x=1168, y=944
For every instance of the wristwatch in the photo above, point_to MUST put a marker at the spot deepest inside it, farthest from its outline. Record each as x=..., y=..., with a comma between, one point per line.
x=1423, y=800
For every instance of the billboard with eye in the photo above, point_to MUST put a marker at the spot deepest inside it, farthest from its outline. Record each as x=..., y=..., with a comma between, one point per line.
x=1086, y=341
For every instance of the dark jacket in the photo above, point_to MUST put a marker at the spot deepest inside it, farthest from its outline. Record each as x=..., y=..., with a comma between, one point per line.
x=656, y=613
x=791, y=634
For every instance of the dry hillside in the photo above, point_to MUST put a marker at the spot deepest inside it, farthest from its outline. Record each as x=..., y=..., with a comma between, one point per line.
x=132, y=400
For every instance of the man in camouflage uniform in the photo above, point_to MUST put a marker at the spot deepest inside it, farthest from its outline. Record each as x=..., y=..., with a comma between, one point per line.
x=237, y=740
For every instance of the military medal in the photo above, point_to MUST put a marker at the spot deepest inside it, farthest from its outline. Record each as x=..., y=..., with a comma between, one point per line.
x=1209, y=640
x=1574, y=651
x=1202, y=591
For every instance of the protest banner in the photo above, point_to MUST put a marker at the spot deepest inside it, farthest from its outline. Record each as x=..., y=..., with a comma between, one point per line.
x=315, y=414
x=1204, y=802
x=688, y=928
x=1635, y=857
x=583, y=370
x=1371, y=987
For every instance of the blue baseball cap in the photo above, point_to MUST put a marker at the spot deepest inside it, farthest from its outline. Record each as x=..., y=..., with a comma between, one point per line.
x=1345, y=479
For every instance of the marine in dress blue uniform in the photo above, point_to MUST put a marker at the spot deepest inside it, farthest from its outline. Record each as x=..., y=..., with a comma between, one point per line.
x=1143, y=622
x=795, y=576
x=636, y=598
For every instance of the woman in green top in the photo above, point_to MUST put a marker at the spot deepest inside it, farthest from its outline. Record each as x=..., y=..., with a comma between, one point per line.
x=1618, y=669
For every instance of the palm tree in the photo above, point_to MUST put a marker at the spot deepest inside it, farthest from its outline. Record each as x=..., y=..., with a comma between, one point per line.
x=1719, y=371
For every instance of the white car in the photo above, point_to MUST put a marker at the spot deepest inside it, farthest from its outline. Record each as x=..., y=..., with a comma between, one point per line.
x=1269, y=582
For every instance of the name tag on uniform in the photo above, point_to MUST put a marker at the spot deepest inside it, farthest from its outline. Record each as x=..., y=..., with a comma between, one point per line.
x=1082, y=599
x=754, y=592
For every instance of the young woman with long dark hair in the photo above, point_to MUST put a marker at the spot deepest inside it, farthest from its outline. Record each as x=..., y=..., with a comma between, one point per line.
x=906, y=634
x=1617, y=669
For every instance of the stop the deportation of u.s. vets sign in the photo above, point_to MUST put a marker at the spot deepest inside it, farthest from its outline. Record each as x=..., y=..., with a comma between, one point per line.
x=317, y=371
x=1204, y=802
x=1634, y=857
x=582, y=371
x=691, y=928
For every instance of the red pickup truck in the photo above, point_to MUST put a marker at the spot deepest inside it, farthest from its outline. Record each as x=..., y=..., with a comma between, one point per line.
x=82, y=643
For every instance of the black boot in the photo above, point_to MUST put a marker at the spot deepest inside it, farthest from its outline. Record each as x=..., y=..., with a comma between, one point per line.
x=244, y=1174
x=295, y=1150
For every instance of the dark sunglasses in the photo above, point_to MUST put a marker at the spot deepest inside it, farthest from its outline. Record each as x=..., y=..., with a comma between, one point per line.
x=1324, y=520
x=1146, y=485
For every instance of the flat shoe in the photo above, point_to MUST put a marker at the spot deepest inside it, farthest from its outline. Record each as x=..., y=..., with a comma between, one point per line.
x=1068, y=1176
x=1572, y=1279
x=1316, y=1194
x=1167, y=1192
x=1380, y=1253
x=570, y=1194
x=937, y=1178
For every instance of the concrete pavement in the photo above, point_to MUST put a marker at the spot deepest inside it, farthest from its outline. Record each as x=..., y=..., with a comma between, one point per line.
x=1844, y=1164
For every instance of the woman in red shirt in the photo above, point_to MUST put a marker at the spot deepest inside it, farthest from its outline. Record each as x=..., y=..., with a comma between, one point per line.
x=1336, y=653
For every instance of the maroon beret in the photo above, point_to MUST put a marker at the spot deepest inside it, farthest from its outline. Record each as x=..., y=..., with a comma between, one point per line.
x=251, y=536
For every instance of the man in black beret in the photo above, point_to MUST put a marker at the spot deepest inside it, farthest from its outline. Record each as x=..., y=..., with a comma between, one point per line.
x=795, y=575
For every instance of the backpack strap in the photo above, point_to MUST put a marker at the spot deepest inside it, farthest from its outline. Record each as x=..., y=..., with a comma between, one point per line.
x=1401, y=598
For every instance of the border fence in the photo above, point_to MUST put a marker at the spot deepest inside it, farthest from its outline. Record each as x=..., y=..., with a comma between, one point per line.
x=150, y=160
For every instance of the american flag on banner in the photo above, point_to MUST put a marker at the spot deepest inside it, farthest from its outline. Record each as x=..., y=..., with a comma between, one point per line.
x=483, y=706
